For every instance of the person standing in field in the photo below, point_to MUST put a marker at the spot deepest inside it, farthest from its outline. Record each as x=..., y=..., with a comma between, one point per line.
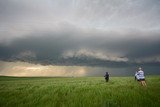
x=106, y=77
x=140, y=77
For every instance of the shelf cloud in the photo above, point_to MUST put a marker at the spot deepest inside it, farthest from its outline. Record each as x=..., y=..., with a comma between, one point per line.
x=80, y=32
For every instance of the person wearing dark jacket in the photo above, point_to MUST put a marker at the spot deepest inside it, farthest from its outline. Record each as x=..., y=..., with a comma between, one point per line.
x=106, y=77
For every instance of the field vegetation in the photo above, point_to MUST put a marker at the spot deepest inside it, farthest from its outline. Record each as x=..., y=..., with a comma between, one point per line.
x=78, y=92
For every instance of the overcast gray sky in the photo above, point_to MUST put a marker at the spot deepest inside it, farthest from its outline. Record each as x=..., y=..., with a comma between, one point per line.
x=80, y=32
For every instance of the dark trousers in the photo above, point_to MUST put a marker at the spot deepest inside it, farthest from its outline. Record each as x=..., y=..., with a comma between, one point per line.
x=107, y=79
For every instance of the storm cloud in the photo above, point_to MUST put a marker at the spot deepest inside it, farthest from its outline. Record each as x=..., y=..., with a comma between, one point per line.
x=67, y=49
x=80, y=32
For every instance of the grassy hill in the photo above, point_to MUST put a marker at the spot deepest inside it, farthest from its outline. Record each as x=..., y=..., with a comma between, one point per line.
x=78, y=92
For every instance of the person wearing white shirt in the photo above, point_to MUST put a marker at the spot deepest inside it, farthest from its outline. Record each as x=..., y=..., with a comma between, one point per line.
x=140, y=77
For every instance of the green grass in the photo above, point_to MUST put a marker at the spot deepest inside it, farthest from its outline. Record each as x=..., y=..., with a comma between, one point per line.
x=78, y=92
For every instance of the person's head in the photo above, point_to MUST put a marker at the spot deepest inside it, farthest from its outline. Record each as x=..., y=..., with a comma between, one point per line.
x=140, y=68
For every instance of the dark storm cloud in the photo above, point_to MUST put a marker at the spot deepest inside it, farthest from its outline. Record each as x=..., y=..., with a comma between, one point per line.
x=66, y=48
x=87, y=32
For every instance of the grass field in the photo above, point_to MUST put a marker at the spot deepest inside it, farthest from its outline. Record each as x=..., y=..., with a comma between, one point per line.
x=78, y=92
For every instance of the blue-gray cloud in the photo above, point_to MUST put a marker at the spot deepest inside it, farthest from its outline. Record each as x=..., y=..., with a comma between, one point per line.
x=83, y=32
x=67, y=49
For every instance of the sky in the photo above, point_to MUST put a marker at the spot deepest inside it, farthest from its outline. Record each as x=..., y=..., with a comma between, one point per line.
x=122, y=34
